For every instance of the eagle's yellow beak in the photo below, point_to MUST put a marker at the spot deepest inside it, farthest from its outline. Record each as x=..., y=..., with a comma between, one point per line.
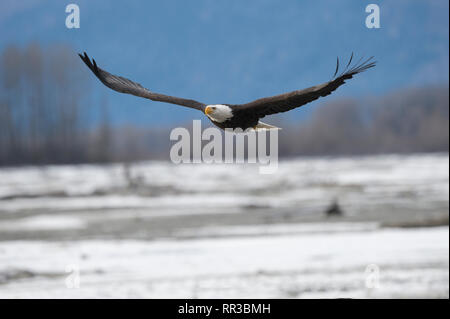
x=208, y=110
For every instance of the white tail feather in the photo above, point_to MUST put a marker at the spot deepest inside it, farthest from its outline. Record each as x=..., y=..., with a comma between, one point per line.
x=264, y=126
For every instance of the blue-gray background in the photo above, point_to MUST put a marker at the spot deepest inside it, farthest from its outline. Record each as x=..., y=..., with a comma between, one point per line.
x=236, y=51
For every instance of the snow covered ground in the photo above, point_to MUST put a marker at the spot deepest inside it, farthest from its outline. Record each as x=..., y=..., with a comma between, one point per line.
x=355, y=264
x=155, y=230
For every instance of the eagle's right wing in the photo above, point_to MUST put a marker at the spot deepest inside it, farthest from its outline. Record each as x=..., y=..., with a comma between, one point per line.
x=123, y=85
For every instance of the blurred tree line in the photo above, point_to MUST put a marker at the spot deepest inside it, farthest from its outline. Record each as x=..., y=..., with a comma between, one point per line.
x=45, y=107
x=406, y=121
x=44, y=98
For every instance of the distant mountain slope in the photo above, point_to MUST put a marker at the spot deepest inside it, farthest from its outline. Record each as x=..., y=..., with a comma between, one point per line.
x=234, y=51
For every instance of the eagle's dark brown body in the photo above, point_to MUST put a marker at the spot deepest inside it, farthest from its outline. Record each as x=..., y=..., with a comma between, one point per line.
x=243, y=120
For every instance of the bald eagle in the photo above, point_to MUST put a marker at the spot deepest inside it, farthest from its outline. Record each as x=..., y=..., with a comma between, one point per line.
x=243, y=116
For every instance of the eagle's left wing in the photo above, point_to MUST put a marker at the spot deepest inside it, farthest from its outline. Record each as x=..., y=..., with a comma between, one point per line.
x=288, y=101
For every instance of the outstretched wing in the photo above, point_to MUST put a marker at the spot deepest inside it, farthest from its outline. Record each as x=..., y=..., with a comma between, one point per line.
x=123, y=85
x=288, y=101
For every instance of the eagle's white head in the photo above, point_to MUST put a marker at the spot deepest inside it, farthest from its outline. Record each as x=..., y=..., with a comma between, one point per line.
x=218, y=112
